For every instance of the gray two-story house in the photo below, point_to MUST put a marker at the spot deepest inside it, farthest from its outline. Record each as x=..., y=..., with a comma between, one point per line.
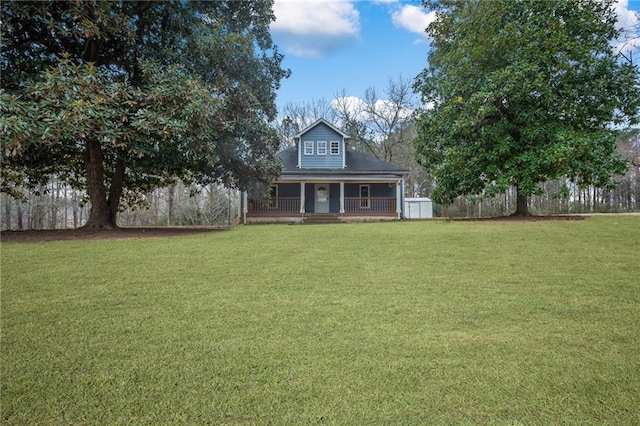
x=324, y=177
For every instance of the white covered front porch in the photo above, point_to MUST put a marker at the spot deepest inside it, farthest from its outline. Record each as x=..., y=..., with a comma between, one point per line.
x=344, y=199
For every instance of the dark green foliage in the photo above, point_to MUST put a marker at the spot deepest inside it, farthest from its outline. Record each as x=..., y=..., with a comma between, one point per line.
x=523, y=92
x=122, y=97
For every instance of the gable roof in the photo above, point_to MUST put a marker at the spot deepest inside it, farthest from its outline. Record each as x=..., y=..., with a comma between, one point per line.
x=357, y=162
x=322, y=121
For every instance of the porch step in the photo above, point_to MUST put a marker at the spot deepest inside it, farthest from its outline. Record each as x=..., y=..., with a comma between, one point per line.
x=320, y=218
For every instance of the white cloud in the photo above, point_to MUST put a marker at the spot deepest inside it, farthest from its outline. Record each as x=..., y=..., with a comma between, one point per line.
x=363, y=112
x=315, y=27
x=628, y=22
x=352, y=104
x=413, y=18
x=416, y=20
x=626, y=18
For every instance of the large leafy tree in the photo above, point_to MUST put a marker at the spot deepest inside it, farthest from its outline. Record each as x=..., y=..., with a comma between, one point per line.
x=520, y=92
x=120, y=97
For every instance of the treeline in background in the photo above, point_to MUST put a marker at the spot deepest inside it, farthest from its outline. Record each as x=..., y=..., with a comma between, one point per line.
x=58, y=206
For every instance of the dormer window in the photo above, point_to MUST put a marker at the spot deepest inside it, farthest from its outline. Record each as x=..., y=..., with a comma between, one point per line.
x=308, y=147
x=322, y=147
x=335, y=148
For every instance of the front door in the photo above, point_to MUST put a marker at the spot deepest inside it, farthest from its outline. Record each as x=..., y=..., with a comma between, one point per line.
x=321, y=198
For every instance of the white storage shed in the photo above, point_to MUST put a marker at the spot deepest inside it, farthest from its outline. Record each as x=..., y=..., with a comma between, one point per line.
x=418, y=208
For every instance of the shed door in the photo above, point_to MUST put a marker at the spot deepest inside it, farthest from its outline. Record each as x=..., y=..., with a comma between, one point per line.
x=321, y=198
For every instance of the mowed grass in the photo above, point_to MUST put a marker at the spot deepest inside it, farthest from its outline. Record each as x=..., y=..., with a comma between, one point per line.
x=377, y=323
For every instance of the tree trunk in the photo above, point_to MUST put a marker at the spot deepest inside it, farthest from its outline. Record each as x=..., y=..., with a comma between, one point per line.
x=19, y=213
x=117, y=184
x=7, y=211
x=75, y=208
x=55, y=200
x=522, y=206
x=100, y=216
x=171, y=202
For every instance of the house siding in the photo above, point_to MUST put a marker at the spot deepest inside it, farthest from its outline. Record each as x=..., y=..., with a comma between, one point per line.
x=289, y=190
x=375, y=190
x=334, y=198
x=309, y=197
x=321, y=132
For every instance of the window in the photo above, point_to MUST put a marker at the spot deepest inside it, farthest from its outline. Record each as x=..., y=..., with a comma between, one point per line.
x=364, y=196
x=308, y=147
x=322, y=147
x=335, y=148
x=273, y=197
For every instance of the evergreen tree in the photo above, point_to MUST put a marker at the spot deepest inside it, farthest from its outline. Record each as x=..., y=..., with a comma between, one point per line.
x=523, y=92
x=122, y=97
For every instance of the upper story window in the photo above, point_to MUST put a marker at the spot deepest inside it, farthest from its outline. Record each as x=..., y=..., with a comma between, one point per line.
x=335, y=148
x=322, y=147
x=308, y=147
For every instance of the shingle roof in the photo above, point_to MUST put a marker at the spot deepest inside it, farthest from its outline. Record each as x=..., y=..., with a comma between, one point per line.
x=322, y=120
x=357, y=162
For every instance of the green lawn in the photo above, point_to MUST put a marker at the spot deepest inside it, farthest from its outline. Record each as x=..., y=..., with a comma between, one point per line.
x=378, y=323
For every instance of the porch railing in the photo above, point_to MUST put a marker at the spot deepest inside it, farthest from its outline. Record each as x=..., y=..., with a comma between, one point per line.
x=370, y=205
x=275, y=205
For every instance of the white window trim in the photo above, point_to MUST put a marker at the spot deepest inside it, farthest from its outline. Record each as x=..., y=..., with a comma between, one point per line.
x=321, y=147
x=308, y=147
x=337, y=145
x=365, y=202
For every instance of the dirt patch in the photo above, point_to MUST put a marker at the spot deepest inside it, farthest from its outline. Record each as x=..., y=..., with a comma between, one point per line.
x=509, y=218
x=533, y=218
x=88, y=234
x=106, y=234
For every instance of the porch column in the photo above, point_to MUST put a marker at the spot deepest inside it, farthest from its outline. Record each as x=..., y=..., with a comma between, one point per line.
x=399, y=199
x=245, y=206
x=302, y=197
x=341, y=197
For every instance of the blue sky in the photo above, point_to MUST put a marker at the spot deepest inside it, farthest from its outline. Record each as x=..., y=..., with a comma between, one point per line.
x=330, y=45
